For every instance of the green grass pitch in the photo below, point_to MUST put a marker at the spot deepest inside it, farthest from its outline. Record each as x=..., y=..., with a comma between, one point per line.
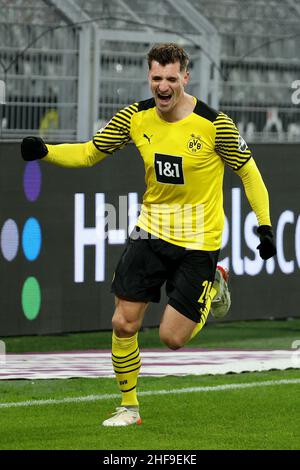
x=256, y=417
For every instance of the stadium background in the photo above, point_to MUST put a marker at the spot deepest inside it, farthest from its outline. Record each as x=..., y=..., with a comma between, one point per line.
x=65, y=68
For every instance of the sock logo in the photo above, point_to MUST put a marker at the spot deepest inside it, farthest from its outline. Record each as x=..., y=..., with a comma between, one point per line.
x=123, y=382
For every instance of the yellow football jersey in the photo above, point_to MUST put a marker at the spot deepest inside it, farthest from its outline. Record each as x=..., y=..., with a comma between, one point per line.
x=184, y=168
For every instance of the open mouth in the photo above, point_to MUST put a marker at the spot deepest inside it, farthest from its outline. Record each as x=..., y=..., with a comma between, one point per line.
x=164, y=98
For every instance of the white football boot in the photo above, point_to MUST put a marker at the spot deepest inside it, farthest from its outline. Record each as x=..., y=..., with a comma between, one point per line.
x=123, y=417
x=222, y=301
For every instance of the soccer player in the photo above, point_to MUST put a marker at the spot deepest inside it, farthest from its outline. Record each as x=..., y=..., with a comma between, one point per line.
x=184, y=144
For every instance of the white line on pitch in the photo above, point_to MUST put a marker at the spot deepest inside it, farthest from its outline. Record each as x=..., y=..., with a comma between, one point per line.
x=212, y=388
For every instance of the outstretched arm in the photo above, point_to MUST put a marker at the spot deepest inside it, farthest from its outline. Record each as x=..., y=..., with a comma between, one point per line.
x=106, y=141
x=74, y=155
x=67, y=155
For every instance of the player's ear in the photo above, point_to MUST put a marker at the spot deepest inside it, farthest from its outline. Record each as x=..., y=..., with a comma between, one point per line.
x=186, y=77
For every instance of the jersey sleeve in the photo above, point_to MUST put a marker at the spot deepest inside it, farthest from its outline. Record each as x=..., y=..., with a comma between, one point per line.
x=256, y=191
x=117, y=132
x=74, y=155
x=229, y=144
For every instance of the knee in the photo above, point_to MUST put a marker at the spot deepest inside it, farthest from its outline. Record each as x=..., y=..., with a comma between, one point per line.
x=128, y=317
x=172, y=342
x=124, y=322
x=123, y=327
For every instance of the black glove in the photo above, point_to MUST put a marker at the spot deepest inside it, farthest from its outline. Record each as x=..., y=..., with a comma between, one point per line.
x=33, y=148
x=267, y=247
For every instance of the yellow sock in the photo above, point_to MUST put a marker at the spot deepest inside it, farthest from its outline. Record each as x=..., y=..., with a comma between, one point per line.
x=204, y=312
x=126, y=362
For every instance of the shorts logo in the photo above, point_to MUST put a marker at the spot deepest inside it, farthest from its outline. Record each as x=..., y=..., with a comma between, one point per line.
x=168, y=169
x=194, y=145
x=242, y=144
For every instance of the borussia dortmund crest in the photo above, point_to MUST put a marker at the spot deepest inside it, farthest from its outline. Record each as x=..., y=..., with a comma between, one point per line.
x=194, y=145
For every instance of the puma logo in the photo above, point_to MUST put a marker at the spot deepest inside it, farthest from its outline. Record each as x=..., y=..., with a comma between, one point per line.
x=148, y=138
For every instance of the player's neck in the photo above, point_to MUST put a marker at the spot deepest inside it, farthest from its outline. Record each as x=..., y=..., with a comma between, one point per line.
x=183, y=108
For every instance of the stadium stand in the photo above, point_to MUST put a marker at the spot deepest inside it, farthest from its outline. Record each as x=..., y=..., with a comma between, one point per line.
x=68, y=66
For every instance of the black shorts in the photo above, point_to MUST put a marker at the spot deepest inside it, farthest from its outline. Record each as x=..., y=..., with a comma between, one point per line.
x=148, y=262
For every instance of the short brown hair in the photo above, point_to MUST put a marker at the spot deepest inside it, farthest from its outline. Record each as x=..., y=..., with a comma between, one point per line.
x=168, y=54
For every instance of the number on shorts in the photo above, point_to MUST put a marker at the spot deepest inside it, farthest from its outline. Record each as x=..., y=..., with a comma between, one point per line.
x=206, y=289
